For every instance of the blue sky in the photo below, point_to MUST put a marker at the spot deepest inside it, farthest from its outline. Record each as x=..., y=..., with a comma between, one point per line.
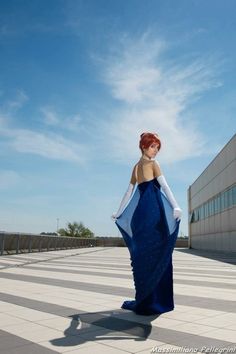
x=81, y=80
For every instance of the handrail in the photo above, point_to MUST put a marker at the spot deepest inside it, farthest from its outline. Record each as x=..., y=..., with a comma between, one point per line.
x=17, y=242
x=21, y=242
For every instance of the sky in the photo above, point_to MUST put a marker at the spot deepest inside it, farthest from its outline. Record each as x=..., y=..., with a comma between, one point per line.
x=81, y=80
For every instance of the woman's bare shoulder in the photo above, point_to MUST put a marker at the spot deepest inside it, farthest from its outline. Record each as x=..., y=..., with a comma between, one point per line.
x=156, y=168
x=134, y=177
x=156, y=161
x=136, y=165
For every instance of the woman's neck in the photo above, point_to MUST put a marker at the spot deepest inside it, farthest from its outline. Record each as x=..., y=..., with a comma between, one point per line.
x=145, y=157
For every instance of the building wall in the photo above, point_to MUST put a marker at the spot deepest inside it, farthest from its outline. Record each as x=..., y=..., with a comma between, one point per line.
x=212, y=203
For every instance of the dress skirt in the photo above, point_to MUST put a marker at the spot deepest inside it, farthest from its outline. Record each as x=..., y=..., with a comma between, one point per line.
x=150, y=232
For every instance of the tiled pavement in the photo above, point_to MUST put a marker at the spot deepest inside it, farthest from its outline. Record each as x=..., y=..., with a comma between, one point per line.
x=69, y=301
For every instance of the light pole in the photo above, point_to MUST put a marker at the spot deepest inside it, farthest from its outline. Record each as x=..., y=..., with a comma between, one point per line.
x=57, y=224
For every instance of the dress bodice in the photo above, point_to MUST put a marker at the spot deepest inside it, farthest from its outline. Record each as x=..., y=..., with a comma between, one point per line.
x=143, y=185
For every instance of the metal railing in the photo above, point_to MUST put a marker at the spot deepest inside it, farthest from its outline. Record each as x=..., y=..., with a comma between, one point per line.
x=23, y=243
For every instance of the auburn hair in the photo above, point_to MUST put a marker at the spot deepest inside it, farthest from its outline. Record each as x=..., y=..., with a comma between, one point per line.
x=147, y=139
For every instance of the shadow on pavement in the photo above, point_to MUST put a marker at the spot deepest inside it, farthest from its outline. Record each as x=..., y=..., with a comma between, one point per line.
x=97, y=326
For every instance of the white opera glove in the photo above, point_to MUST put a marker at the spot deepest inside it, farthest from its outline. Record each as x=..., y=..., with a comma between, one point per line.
x=124, y=201
x=177, y=212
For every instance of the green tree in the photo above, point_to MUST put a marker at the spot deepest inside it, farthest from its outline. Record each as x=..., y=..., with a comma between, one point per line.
x=75, y=229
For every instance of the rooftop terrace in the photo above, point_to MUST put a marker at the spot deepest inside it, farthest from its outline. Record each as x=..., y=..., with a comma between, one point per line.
x=69, y=301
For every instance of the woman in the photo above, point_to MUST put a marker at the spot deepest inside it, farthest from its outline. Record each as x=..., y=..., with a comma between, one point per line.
x=149, y=225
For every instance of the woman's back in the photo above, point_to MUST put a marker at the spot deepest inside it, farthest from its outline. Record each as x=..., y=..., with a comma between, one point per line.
x=145, y=170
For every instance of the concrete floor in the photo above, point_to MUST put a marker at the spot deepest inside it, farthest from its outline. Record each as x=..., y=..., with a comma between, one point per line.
x=69, y=301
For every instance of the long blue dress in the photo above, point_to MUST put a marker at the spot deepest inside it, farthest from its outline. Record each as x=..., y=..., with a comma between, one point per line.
x=150, y=232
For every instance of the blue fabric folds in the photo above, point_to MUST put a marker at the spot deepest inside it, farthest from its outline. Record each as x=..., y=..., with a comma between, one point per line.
x=150, y=232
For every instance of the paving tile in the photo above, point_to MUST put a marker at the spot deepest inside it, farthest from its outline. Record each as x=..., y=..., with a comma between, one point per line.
x=219, y=321
x=11, y=342
x=28, y=349
x=32, y=315
x=6, y=320
x=19, y=329
x=98, y=348
x=65, y=344
x=231, y=326
x=193, y=328
x=134, y=345
x=221, y=334
x=194, y=341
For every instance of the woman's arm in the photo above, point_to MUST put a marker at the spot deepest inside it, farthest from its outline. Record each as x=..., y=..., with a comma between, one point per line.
x=126, y=196
x=124, y=201
x=164, y=185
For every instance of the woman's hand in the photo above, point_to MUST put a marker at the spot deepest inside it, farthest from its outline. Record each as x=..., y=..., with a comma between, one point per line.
x=114, y=216
x=177, y=213
x=124, y=201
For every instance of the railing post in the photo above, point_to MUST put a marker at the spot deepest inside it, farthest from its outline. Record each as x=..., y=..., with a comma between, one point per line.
x=2, y=244
x=18, y=244
x=30, y=243
x=40, y=244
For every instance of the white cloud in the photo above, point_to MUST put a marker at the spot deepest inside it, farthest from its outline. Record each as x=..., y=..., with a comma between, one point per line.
x=52, y=118
x=49, y=116
x=50, y=146
x=155, y=96
x=132, y=72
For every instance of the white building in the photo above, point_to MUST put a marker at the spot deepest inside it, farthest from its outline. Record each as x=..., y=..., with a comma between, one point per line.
x=212, y=203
